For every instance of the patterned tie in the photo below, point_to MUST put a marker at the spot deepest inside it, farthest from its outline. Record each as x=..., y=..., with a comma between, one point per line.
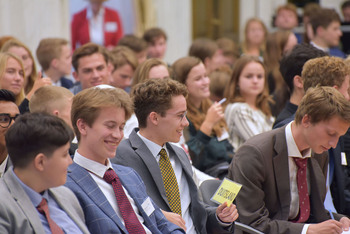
x=170, y=182
x=43, y=208
x=304, y=202
x=131, y=221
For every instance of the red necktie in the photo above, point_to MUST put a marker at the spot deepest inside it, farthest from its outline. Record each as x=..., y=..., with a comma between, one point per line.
x=43, y=208
x=304, y=201
x=131, y=221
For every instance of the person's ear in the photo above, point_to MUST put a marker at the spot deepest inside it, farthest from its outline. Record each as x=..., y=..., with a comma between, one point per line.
x=82, y=127
x=55, y=112
x=298, y=82
x=306, y=121
x=54, y=63
x=76, y=76
x=154, y=118
x=39, y=162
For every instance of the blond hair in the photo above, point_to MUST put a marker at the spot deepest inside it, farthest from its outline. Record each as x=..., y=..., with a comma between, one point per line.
x=4, y=57
x=48, y=98
x=88, y=103
x=321, y=104
x=32, y=76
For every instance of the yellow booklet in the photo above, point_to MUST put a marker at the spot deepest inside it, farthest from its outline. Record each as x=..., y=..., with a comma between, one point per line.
x=227, y=191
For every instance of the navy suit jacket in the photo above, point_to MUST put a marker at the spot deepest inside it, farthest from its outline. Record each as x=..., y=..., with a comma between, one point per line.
x=134, y=153
x=66, y=83
x=100, y=217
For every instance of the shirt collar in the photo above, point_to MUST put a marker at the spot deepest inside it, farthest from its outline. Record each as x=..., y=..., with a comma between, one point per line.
x=292, y=147
x=3, y=166
x=90, y=165
x=153, y=147
x=34, y=196
x=319, y=47
x=89, y=13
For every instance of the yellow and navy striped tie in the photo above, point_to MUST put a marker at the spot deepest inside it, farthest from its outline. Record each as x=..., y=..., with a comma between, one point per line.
x=170, y=182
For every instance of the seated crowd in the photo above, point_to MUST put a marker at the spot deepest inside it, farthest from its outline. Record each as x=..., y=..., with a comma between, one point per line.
x=116, y=140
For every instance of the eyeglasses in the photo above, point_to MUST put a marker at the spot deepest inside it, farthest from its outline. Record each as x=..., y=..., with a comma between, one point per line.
x=6, y=119
x=180, y=116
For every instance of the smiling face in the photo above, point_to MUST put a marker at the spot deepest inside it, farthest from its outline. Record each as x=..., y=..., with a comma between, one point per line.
x=23, y=54
x=121, y=77
x=197, y=83
x=100, y=141
x=325, y=134
x=92, y=71
x=55, y=167
x=252, y=80
x=13, y=77
x=170, y=126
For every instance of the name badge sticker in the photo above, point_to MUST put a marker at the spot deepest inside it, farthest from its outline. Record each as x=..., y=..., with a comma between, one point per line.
x=343, y=159
x=111, y=26
x=148, y=206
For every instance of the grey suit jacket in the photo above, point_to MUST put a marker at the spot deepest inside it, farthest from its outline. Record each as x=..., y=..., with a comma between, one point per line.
x=261, y=166
x=18, y=215
x=134, y=153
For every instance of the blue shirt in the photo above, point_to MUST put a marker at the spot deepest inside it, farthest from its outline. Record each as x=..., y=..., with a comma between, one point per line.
x=56, y=213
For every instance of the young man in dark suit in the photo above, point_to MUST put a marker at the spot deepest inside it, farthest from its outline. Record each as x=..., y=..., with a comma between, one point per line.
x=284, y=184
x=160, y=107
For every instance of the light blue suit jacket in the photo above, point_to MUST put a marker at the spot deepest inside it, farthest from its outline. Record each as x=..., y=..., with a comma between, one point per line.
x=100, y=217
x=18, y=214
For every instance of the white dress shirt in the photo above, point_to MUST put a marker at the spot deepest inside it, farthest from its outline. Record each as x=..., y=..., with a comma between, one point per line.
x=293, y=152
x=181, y=181
x=96, y=25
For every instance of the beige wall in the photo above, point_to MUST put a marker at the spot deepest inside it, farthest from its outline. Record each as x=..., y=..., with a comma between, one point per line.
x=32, y=20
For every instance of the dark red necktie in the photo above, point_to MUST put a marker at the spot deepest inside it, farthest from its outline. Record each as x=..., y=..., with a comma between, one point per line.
x=43, y=208
x=304, y=201
x=131, y=221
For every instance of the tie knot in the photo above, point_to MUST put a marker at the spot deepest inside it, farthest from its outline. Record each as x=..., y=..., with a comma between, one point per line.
x=42, y=205
x=163, y=153
x=301, y=162
x=110, y=175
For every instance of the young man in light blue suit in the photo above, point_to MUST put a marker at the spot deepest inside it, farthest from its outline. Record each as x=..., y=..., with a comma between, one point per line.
x=38, y=148
x=98, y=118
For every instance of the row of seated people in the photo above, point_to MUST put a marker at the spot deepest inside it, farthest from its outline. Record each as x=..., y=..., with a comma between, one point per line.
x=97, y=117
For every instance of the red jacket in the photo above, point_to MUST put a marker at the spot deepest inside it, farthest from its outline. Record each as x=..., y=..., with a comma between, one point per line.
x=80, y=28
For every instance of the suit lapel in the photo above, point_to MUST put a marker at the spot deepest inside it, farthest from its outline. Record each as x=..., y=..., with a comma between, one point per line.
x=281, y=169
x=145, y=154
x=23, y=201
x=83, y=179
x=318, y=190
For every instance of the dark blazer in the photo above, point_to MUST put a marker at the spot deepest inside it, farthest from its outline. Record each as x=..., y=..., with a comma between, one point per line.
x=18, y=214
x=261, y=166
x=66, y=83
x=134, y=153
x=100, y=216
